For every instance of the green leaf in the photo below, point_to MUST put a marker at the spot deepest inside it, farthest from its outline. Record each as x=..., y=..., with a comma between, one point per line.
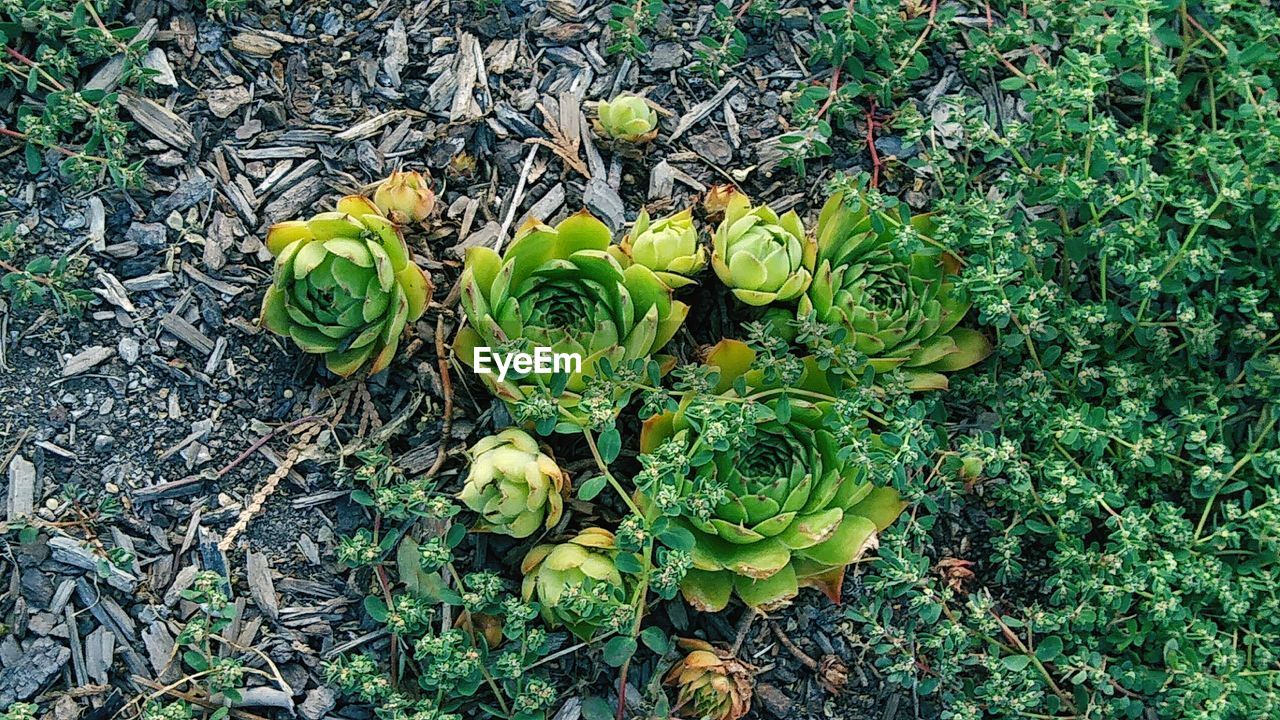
x=609, y=445
x=376, y=608
x=32, y=155
x=782, y=409
x=656, y=640
x=619, y=650
x=1049, y=648
x=628, y=563
x=196, y=661
x=1013, y=83
x=1016, y=663
x=591, y=487
x=596, y=708
x=678, y=538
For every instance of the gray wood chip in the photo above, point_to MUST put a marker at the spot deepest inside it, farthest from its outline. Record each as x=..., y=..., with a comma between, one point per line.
x=42, y=659
x=158, y=120
x=258, y=575
x=70, y=551
x=99, y=650
x=395, y=46
x=703, y=109
x=86, y=359
x=22, y=488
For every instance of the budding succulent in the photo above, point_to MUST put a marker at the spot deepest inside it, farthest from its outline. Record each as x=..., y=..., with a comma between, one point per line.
x=710, y=684
x=405, y=197
x=763, y=258
x=669, y=247
x=515, y=488
x=628, y=118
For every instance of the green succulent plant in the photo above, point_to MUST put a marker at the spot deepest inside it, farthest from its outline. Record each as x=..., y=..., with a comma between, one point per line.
x=345, y=286
x=577, y=583
x=515, y=487
x=628, y=118
x=901, y=312
x=560, y=288
x=668, y=246
x=794, y=513
x=761, y=257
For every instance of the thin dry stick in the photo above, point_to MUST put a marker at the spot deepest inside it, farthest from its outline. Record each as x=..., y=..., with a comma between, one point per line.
x=799, y=654
x=744, y=627
x=447, y=385
x=263, y=441
x=516, y=197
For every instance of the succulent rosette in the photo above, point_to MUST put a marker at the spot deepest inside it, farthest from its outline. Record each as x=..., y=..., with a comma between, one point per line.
x=761, y=257
x=628, y=118
x=345, y=286
x=901, y=312
x=577, y=583
x=794, y=513
x=405, y=197
x=515, y=487
x=710, y=684
x=560, y=288
x=667, y=246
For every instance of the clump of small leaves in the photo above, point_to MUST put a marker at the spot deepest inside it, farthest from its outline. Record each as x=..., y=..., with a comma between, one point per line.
x=873, y=50
x=721, y=46
x=224, y=8
x=20, y=711
x=481, y=655
x=629, y=22
x=50, y=45
x=40, y=280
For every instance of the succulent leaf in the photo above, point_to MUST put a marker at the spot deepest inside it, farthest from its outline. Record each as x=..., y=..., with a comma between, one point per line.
x=627, y=118
x=898, y=306
x=668, y=246
x=577, y=583
x=710, y=683
x=404, y=197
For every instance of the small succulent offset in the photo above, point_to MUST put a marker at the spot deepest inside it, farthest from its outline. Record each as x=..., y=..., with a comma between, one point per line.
x=794, y=513
x=710, y=684
x=761, y=257
x=405, y=197
x=900, y=311
x=577, y=583
x=513, y=485
x=668, y=246
x=560, y=288
x=628, y=118
x=345, y=286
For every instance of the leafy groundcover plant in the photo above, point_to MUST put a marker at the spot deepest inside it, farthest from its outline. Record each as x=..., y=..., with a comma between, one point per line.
x=1120, y=235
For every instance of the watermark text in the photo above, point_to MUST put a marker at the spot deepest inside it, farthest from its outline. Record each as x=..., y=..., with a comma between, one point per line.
x=541, y=360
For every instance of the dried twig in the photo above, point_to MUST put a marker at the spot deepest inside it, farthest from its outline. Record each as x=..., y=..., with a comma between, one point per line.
x=442, y=357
